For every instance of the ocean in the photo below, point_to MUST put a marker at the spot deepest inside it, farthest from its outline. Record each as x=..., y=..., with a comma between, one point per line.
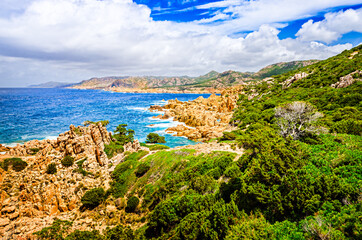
x=30, y=113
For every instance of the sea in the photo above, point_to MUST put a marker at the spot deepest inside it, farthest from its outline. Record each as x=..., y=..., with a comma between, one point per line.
x=44, y=113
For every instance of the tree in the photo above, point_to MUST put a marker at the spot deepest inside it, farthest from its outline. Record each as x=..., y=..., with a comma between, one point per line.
x=296, y=118
x=123, y=135
x=93, y=198
x=155, y=138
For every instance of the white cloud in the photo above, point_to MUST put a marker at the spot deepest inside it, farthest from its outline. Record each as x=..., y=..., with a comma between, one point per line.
x=332, y=27
x=72, y=40
x=249, y=15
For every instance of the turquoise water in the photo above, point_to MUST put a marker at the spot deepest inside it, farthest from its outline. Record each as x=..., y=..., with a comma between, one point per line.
x=28, y=114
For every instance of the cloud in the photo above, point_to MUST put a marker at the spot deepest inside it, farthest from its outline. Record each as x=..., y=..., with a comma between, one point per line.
x=332, y=27
x=250, y=15
x=72, y=40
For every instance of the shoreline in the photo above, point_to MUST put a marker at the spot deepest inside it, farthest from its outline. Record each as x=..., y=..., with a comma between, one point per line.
x=164, y=130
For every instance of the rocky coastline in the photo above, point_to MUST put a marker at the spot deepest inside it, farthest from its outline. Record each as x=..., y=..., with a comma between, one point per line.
x=205, y=118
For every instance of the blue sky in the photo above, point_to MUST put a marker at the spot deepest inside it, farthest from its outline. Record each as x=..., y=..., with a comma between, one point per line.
x=73, y=40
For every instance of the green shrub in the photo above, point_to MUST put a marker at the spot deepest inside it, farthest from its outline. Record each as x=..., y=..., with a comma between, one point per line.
x=67, y=161
x=34, y=151
x=103, y=122
x=80, y=168
x=113, y=148
x=228, y=136
x=85, y=235
x=349, y=126
x=57, y=231
x=119, y=233
x=93, y=198
x=51, y=168
x=155, y=138
x=142, y=169
x=154, y=147
x=17, y=164
x=132, y=204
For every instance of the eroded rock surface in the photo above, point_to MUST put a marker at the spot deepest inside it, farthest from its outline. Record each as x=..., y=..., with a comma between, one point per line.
x=348, y=80
x=204, y=118
x=30, y=199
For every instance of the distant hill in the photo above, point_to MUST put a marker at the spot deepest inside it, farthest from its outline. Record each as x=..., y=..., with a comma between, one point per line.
x=210, y=82
x=51, y=85
x=280, y=68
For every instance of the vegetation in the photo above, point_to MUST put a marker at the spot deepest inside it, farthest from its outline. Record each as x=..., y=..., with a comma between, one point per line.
x=67, y=161
x=92, y=198
x=155, y=138
x=103, y=122
x=154, y=147
x=80, y=168
x=34, y=151
x=51, y=168
x=124, y=174
x=132, y=204
x=121, y=137
x=290, y=183
x=57, y=231
x=60, y=230
x=17, y=164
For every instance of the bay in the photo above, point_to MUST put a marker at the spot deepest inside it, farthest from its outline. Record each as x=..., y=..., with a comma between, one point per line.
x=30, y=113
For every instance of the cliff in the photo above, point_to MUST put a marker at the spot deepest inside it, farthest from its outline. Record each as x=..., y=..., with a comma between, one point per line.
x=32, y=198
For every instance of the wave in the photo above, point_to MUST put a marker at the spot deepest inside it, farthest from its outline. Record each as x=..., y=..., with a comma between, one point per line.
x=143, y=109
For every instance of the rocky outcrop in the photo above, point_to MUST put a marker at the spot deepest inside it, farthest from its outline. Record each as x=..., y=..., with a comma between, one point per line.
x=205, y=118
x=348, y=80
x=298, y=76
x=31, y=199
x=4, y=148
x=79, y=142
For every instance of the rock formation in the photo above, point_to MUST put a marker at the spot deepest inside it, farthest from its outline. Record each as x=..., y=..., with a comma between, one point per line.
x=30, y=199
x=298, y=76
x=348, y=80
x=204, y=118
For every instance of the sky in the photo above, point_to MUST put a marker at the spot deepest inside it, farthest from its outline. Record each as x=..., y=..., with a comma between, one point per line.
x=74, y=40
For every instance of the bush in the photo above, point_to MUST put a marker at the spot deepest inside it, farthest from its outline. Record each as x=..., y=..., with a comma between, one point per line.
x=119, y=233
x=17, y=164
x=228, y=136
x=154, y=147
x=132, y=204
x=103, y=122
x=80, y=168
x=296, y=118
x=34, y=151
x=349, y=126
x=142, y=169
x=85, y=235
x=67, y=161
x=155, y=138
x=51, y=168
x=113, y=148
x=93, y=198
x=57, y=230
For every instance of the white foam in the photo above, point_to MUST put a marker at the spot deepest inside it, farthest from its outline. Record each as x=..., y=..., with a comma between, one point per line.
x=143, y=109
x=51, y=137
x=11, y=144
x=160, y=103
x=163, y=125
